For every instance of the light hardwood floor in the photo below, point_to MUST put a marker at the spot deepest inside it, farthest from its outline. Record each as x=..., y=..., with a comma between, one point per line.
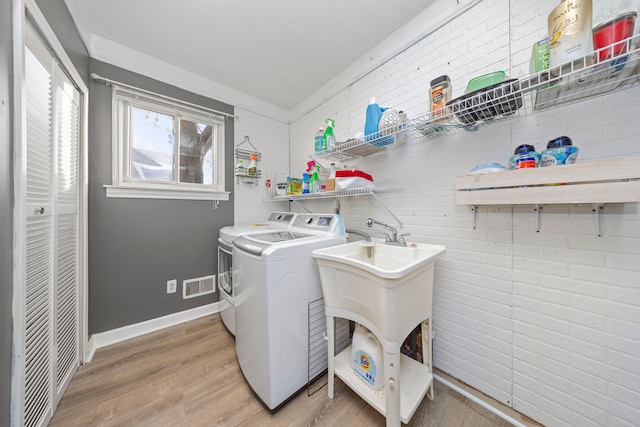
x=188, y=375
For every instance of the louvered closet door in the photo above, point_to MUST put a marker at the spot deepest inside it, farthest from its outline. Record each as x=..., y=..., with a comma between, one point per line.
x=39, y=343
x=52, y=338
x=67, y=225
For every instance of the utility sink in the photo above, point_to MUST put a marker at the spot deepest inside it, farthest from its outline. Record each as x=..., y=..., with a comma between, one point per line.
x=381, y=259
x=387, y=288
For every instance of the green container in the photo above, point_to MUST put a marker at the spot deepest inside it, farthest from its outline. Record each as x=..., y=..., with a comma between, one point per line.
x=486, y=80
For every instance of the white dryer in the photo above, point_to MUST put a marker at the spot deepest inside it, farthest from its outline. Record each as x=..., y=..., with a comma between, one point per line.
x=276, y=221
x=276, y=278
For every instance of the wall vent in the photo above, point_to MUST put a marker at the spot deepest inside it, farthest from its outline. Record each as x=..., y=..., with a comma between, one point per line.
x=198, y=286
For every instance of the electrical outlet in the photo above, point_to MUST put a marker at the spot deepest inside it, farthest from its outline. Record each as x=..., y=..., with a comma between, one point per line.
x=171, y=286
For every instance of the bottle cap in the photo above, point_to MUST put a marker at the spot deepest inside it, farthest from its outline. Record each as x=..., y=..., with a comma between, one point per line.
x=560, y=141
x=524, y=149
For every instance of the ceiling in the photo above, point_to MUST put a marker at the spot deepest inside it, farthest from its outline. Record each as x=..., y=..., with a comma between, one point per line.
x=279, y=51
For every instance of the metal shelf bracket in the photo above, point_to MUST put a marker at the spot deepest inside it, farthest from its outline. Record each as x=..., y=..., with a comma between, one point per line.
x=538, y=209
x=598, y=217
x=474, y=210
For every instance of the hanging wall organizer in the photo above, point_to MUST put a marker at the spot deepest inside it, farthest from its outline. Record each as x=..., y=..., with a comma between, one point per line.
x=243, y=161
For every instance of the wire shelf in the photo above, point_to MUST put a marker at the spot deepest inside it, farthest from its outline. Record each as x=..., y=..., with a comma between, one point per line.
x=362, y=191
x=583, y=78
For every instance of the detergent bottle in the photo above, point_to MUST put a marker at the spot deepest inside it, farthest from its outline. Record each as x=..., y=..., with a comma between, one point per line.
x=372, y=119
x=367, y=358
x=319, y=140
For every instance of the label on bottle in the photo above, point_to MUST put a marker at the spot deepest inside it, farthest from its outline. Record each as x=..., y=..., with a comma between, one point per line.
x=365, y=367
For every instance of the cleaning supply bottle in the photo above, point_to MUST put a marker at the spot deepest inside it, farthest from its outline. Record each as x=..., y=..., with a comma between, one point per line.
x=305, y=183
x=329, y=138
x=372, y=119
x=319, y=140
x=314, y=181
x=240, y=169
x=367, y=358
x=253, y=170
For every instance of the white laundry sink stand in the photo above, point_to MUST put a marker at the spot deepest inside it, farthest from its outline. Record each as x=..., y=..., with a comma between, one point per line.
x=389, y=290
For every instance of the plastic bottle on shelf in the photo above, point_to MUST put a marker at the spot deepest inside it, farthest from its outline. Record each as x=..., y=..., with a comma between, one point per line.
x=372, y=119
x=305, y=183
x=329, y=137
x=401, y=138
x=240, y=169
x=570, y=39
x=319, y=140
x=332, y=173
x=439, y=96
x=253, y=170
x=314, y=181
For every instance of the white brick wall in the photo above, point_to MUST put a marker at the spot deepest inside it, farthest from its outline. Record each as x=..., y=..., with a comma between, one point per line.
x=271, y=139
x=544, y=321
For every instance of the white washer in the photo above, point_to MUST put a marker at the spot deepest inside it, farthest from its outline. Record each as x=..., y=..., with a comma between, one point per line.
x=276, y=221
x=276, y=278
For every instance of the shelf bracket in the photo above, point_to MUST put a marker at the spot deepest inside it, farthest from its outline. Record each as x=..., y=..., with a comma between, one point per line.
x=300, y=204
x=538, y=210
x=375, y=196
x=598, y=210
x=474, y=209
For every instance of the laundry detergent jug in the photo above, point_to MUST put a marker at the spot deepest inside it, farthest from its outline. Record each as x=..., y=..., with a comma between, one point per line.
x=367, y=358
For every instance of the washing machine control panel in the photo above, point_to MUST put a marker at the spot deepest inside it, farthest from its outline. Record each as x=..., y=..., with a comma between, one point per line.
x=319, y=222
x=281, y=217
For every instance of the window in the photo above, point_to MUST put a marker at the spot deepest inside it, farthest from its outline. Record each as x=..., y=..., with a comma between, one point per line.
x=165, y=150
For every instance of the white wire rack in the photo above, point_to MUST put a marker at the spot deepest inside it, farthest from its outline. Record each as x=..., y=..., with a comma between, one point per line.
x=583, y=78
x=363, y=191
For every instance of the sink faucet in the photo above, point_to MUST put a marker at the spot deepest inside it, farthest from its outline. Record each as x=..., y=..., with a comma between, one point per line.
x=394, y=238
x=361, y=233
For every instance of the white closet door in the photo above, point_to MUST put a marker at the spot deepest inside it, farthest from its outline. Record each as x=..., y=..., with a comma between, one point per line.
x=51, y=329
x=67, y=240
x=39, y=343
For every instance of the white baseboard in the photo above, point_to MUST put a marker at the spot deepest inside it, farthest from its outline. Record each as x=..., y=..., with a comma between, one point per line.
x=104, y=339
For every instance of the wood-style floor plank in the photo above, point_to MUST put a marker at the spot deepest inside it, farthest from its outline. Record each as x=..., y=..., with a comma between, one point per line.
x=188, y=375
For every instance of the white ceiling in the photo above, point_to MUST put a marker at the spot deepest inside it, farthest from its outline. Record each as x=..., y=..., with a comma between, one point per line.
x=279, y=51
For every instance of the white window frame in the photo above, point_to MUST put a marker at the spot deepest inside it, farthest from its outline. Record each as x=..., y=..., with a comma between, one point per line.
x=123, y=186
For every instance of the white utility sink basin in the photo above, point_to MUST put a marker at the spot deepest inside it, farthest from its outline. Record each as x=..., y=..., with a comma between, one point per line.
x=381, y=259
x=387, y=288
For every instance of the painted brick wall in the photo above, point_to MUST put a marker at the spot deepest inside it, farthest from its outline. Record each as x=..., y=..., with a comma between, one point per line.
x=547, y=322
x=271, y=138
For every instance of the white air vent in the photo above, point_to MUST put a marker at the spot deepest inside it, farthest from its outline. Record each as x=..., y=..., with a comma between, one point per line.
x=199, y=286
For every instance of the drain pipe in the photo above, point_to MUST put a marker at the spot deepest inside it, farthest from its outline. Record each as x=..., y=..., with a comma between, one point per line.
x=480, y=402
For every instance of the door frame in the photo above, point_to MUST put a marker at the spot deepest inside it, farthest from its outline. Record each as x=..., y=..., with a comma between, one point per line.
x=21, y=11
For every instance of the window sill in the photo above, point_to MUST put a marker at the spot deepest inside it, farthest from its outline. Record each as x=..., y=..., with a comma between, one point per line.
x=171, y=194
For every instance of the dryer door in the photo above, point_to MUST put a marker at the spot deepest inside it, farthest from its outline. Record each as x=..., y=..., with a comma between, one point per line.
x=225, y=266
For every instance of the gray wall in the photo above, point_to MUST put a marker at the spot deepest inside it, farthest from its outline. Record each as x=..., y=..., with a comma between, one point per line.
x=135, y=246
x=6, y=214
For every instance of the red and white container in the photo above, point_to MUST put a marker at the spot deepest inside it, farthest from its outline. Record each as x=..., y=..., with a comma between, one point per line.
x=353, y=178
